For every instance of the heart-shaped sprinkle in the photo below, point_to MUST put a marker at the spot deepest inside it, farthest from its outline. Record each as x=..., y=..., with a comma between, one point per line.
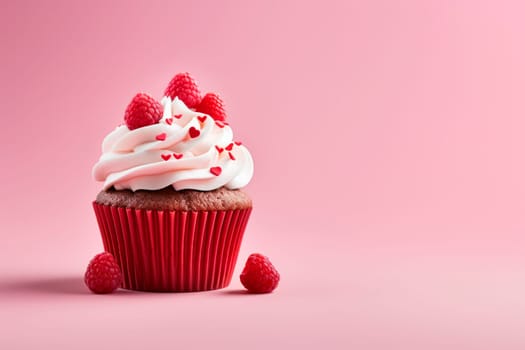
x=177, y=155
x=231, y=156
x=202, y=118
x=178, y=116
x=194, y=132
x=216, y=170
x=238, y=143
x=165, y=156
x=219, y=149
x=229, y=147
x=219, y=123
x=161, y=137
x=169, y=121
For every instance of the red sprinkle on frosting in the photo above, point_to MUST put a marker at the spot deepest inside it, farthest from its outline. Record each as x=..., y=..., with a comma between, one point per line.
x=165, y=156
x=161, y=137
x=216, y=170
x=169, y=121
x=219, y=149
x=202, y=118
x=177, y=155
x=220, y=124
x=194, y=132
x=238, y=143
x=229, y=147
x=178, y=116
x=231, y=156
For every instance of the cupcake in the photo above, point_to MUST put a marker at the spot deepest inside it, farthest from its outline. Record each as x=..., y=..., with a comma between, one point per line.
x=171, y=210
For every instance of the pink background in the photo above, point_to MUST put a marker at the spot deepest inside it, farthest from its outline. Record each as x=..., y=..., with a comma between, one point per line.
x=389, y=186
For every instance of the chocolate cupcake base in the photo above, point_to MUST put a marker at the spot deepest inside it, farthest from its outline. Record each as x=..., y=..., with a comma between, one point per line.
x=173, y=250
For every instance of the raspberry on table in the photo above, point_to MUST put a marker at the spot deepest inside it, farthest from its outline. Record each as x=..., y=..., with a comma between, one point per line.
x=103, y=274
x=184, y=87
x=143, y=110
x=259, y=275
x=212, y=105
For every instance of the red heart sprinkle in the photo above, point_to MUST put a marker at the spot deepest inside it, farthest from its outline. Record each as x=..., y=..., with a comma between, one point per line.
x=165, y=156
x=238, y=143
x=229, y=147
x=219, y=149
x=194, y=132
x=178, y=116
x=231, y=156
x=216, y=170
x=202, y=118
x=169, y=121
x=161, y=137
x=219, y=123
x=177, y=155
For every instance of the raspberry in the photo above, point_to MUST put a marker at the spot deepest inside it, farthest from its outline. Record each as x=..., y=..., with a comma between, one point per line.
x=184, y=87
x=143, y=110
x=212, y=105
x=103, y=274
x=259, y=275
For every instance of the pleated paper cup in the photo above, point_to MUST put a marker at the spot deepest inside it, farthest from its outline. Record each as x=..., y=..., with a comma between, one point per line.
x=173, y=251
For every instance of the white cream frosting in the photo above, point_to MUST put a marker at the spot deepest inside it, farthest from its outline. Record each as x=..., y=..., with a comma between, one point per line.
x=171, y=154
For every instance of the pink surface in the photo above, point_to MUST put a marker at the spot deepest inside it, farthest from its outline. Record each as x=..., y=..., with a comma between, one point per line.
x=390, y=133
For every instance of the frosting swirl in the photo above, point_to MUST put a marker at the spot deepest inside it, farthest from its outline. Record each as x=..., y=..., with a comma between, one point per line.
x=186, y=150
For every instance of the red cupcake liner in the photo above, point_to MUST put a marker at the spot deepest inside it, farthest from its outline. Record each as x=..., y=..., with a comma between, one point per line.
x=173, y=251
